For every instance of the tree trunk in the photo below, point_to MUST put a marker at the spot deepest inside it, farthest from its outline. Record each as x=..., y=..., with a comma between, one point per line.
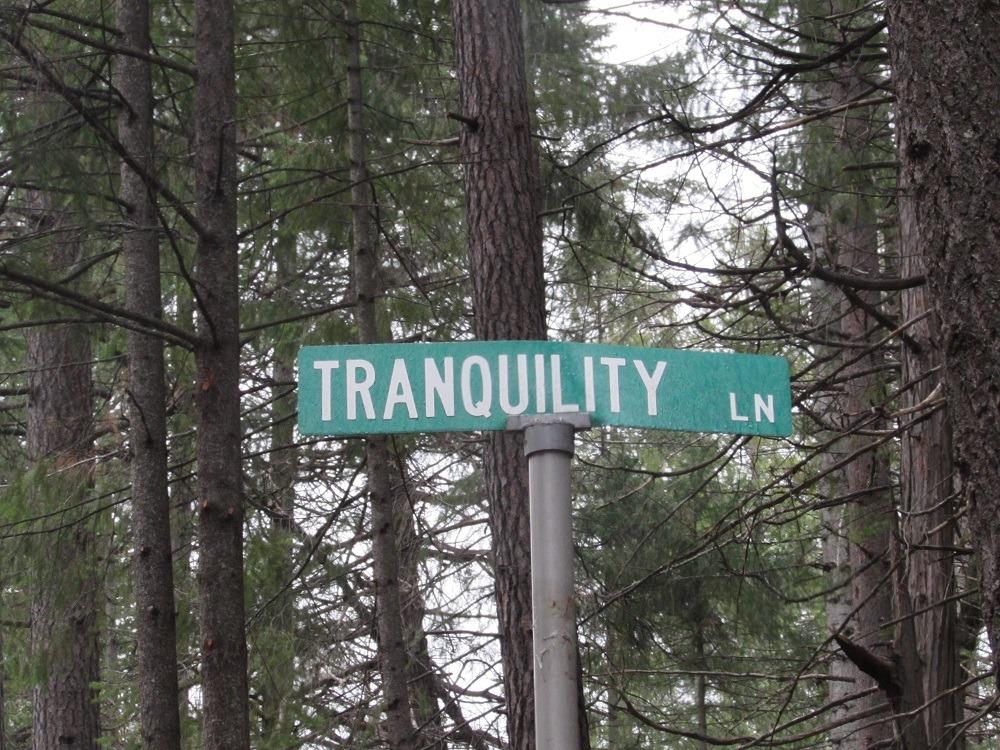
x=64, y=635
x=220, y=526
x=391, y=640
x=505, y=252
x=833, y=532
x=908, y=695
x=154, y=578
x=836, y=551
x=927, y=500
x=947, y=84
x=184, y=503
x=845, y=235
x=929, y=511
x=420, y=668
x=868, y=475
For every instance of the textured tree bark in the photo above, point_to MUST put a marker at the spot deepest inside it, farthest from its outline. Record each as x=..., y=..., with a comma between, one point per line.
x=908, y=699
x=391, y=640
x=183, y=498
x=928, y=506
x=153, y=566
x=833, y=533
x=946, y=75
x=508, y=297
x=845, y=235
x=419, y=666
x=220, y=524
x=867, y=518
x=836, y=558
x=927, y=495
x=64, y=635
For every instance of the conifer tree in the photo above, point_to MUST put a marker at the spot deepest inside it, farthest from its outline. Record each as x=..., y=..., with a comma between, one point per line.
x=508, y=297
x=219, y=436
x=153, y=561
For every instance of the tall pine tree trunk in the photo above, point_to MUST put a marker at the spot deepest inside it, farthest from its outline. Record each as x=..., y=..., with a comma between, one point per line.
x=927, y=498
x=183, y=497
x=928, y=523
x=946, y=75
x=833, y=532
x=220, y=499
x=385, y=554
x=64, y=637
x=868, y=476
x=836, y=563
x=508, y=297
x=845, y=235
x=154, y=578
x=419, y=666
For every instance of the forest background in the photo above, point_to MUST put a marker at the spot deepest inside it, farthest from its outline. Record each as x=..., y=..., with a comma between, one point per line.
x=191, y=190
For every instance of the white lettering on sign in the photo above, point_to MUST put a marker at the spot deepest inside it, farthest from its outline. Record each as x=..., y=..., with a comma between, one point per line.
x=481, y=383
x=539, y=384
x=522, y=385
x=480, y=408
x=590, y=402
x=651, y=382
x=614, y=391
x=733, y=414
x=325, y=366
x=558, y=407
x=760, y=408
x=400, y=391
x=360, y=388
x=441, y=386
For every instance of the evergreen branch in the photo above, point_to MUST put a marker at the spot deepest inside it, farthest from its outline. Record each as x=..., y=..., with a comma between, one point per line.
x=78, y=20
x=102, y=131
x=115, y=49
x=192, y=284
x=756, y=135
x=21, y=324
x=117, y=314
x=295, y=318
x=453, y=141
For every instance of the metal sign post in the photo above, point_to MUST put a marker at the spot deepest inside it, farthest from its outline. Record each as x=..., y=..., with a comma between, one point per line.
x=548, y=444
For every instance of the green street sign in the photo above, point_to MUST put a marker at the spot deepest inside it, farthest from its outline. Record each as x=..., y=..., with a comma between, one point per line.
x=477, y=385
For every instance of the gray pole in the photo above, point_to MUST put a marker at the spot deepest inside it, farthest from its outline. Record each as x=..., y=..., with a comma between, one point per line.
x=548, y=444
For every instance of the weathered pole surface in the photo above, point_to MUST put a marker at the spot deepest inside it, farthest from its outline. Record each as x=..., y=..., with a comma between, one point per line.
x=548, y=444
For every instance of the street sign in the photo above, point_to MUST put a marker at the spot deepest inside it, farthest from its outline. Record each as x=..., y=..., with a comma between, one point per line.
x=477, y=385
